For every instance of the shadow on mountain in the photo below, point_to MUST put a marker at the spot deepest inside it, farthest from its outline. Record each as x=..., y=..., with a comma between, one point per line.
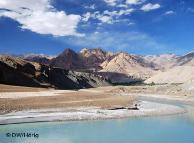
x=9, y=75
x=120, y=78
x=68, y=79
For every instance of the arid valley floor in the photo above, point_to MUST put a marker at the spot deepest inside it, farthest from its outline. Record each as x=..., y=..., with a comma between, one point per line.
x=26, y=104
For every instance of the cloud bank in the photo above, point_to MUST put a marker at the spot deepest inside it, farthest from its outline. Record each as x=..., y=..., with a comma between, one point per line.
x=41, y=17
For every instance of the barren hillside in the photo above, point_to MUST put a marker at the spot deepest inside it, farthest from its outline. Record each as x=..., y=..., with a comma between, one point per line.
x=178, y=74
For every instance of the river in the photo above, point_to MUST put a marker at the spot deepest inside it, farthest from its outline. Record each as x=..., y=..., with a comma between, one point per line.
x=161, y=129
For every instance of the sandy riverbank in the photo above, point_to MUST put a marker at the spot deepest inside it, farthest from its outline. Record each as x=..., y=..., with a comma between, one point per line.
x=92, y=113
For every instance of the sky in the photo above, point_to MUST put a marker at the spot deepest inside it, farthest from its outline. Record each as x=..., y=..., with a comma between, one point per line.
x=141, y=27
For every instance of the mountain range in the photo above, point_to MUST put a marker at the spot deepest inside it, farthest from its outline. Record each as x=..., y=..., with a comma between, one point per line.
x=119, y=67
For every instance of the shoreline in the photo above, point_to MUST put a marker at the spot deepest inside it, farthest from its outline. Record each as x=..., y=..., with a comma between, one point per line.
x=89, y=113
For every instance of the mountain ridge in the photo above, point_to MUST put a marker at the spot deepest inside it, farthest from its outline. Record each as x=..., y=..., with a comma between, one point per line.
x=118, y=67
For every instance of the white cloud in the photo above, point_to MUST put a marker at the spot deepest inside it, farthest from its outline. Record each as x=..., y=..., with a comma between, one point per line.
x=41, y=17
x=86, y=16
x=111, y=2
x=97, y=15
x=169, y=12
x=126, y=11
x=105, y=19
x=122, y=5
x=90, y=6
x=108, y=17
x=134, y=2
x=119, y=3
x=111, y=13
x=118, y=13
x=131, y=23
x=149, y=7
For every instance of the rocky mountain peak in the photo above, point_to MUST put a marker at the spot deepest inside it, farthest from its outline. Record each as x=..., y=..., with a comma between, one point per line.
x=68, y=52
x=68, y=59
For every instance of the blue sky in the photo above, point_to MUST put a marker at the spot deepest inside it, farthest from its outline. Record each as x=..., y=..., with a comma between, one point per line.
x=134, y=26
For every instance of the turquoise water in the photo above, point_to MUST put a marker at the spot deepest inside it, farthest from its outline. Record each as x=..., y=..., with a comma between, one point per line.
x=169, y=129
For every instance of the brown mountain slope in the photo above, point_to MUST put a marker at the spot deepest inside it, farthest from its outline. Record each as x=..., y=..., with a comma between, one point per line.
x=133, y=67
